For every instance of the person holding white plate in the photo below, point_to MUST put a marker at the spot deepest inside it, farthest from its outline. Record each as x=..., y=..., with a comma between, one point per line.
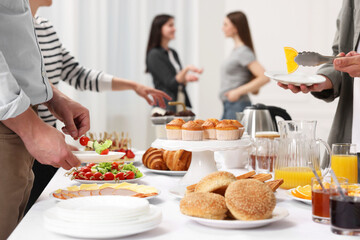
x=345, y=127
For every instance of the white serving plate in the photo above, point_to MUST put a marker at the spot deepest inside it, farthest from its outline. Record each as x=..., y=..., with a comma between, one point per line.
x=166, y=172
x=147, y=198
x=94, y=157
x=307, y=201
x=279, y=213
x=297, y=78
x=178, y=191
x=109, y=181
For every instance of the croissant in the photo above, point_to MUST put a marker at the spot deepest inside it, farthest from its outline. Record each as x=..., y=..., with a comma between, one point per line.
x=177, y=160
x=153, y=159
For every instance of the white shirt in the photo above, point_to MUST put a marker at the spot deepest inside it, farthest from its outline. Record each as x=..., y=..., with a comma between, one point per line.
x=22, y=78
x=356, y=111
x=173, y=61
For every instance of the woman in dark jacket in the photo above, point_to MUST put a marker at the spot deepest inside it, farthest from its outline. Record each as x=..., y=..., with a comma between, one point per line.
x=164, y=64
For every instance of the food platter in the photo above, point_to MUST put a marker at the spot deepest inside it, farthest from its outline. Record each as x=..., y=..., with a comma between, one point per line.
x=278, y=214
x=93, y=157
x=297, y=78
x=307, y=201
x=108, y=181
x=59, y=199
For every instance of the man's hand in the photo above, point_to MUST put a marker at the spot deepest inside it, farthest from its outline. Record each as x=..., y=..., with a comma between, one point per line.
x=75, y=117
x=233, y=95
x=45, y=143
x=157, y=95
x=349, y=63
x=306, y=89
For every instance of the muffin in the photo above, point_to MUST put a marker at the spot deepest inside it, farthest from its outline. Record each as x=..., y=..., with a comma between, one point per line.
x=209, y=128
x=173, y=129
x=199, y=121
x=192, y=131
x=237, y=123
x=227, y=131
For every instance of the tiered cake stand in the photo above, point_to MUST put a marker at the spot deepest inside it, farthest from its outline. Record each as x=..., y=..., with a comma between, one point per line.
x=202, y=162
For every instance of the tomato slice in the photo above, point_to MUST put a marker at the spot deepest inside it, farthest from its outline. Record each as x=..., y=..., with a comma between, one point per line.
x=104, y=152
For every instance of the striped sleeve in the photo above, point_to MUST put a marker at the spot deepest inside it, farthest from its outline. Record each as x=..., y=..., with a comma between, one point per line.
x=82, y=78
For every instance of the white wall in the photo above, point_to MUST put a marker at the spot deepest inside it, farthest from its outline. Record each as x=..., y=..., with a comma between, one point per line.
x=111, y=35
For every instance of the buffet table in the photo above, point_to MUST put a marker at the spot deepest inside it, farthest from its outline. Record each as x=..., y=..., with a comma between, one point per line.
x=298, y=225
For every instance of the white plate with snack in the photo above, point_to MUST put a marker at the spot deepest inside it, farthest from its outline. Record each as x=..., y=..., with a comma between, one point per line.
x=109, y=181
x=297, y=78
x=94, y=157
x=278, y=214
x=307, y=201
x=88, y=193
x=167, y=172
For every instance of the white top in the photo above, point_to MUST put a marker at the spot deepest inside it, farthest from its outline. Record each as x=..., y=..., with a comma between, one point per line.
x=173, y=61
x=356, y=111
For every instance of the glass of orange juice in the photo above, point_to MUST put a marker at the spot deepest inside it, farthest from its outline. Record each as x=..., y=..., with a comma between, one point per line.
x=344, y=161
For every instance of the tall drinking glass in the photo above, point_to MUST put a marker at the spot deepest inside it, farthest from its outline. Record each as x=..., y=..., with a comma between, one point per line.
x=344, y=161
x=345, y=211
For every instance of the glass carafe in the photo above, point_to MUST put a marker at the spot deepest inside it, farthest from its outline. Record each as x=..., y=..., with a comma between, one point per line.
x=297, y=147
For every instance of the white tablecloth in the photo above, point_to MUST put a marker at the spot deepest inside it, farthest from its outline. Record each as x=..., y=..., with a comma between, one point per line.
x=298, y=225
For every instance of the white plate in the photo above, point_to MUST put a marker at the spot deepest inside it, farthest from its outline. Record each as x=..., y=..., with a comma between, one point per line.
x=178, y=191
x=278, y=214
x=97, y=229
x=167, y=172
x=109, y=181
x=296, y=78
x=94, y=157
x=307, y=201
x=148, y=198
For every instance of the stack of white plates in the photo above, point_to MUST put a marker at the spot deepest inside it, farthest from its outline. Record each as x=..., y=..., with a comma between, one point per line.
x=102, y=217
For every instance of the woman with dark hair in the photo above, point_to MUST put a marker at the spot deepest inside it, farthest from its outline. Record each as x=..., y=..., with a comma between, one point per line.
x=163, y=63
x=241, y=73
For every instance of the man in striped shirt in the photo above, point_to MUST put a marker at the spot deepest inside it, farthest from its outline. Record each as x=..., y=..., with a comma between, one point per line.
x=61, y=66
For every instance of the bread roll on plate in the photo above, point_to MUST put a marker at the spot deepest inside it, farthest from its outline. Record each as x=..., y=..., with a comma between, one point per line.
x=216, y=182
x=204, y=205
x=250, y=199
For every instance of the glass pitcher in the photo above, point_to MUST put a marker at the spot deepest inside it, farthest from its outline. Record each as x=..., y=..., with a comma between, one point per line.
x=297, y=147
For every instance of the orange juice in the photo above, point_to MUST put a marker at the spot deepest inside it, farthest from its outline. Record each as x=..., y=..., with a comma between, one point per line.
x=345, y=166
x=295, y=176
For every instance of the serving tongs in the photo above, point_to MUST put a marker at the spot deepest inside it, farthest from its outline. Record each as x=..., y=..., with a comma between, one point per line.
x=309, y=59
x=178, y=103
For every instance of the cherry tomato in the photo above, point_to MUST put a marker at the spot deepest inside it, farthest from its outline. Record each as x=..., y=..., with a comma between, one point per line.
x=84, y=140
x=121, y=150
x=130, y=154
x=120, y=176
x=91, y=165
x=98, y=176
x=115, y=165
x=89, y=175
x=129, y=175
x=109, y=176
x=85, y=169
x=104, y=152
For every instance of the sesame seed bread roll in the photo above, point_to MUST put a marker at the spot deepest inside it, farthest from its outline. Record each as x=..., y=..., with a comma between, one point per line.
x=204, y=205
x=250, y=199
x=216, y=182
